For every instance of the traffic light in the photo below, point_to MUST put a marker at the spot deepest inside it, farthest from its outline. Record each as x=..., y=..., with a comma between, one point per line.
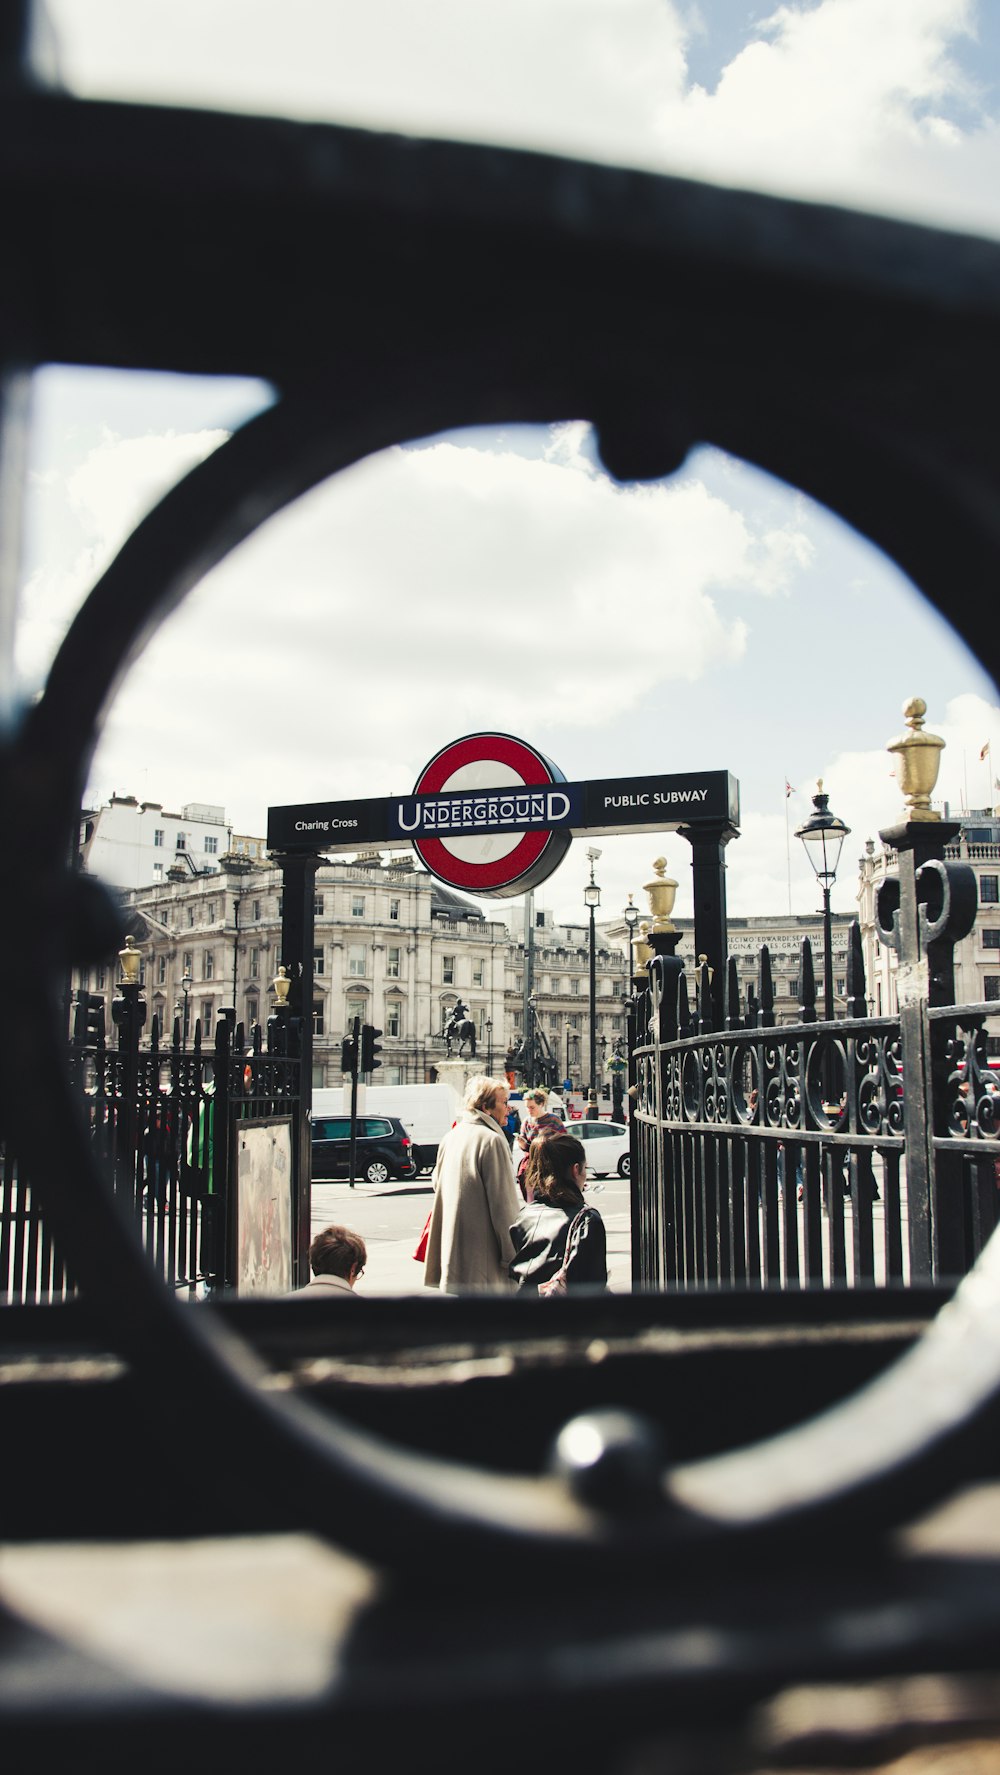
x=371, y=1048
x=88, y=1020
x=349, y=1055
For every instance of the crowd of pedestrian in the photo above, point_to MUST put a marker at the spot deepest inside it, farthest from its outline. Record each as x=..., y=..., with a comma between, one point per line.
x=492, y=1228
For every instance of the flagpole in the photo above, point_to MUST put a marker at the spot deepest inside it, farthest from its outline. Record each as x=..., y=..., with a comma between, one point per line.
x=965, y=779
x=788, y=850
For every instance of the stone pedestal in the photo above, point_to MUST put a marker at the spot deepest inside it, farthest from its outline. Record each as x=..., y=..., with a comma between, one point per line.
x=457, y=1073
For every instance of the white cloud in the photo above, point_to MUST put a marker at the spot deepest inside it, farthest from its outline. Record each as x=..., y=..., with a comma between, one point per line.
x=80, y=520
x=438, y=589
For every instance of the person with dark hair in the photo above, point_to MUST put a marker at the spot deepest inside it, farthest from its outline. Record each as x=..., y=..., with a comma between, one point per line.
x=337, y=1257
x=559, y=1243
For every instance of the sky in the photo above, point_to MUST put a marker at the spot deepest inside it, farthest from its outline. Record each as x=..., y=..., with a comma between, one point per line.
x=715, y=620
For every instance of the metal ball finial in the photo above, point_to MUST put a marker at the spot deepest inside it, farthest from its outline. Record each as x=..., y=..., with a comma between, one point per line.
x=612, y=1460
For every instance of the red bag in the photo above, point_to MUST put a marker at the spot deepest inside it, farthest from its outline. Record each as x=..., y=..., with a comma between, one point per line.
x=421, y=1252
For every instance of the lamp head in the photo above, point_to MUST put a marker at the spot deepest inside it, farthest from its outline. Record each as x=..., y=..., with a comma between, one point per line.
x=823, y=835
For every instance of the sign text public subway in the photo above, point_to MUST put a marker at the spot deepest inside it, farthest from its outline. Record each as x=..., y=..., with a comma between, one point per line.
x=630, y=804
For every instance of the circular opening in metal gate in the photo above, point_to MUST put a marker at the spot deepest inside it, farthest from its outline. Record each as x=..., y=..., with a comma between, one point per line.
x=535, y=634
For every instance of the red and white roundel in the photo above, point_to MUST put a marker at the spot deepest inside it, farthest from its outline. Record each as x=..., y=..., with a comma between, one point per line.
x=495, y=864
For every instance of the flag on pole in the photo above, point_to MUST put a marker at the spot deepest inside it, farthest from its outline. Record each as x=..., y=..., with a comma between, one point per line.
x=788, y=789
x=984, y=752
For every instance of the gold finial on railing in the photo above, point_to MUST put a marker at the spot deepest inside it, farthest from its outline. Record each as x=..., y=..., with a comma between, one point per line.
x=281, y=985
x=662, y=892
x=919, y=755
x=130, y=962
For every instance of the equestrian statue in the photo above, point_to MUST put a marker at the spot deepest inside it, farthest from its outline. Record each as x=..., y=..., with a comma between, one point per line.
x=461, y=1029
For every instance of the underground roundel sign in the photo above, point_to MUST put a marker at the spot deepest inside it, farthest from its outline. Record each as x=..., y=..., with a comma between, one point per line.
x=490, y=831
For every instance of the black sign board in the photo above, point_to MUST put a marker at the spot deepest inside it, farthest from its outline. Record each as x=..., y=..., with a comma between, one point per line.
x=615, y=804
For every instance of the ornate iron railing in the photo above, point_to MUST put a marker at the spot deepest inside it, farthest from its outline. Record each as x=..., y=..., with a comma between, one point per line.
x=778, y=1156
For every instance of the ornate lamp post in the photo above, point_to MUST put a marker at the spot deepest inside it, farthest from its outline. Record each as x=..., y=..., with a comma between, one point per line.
x=592, y=899
x=489, y=1046
x=823, y=835
x=186, y=984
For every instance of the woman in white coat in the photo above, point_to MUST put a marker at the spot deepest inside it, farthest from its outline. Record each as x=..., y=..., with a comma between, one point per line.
x=476, y=1199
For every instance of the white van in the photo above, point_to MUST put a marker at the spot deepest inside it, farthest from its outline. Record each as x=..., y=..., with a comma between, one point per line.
x=427, y=1112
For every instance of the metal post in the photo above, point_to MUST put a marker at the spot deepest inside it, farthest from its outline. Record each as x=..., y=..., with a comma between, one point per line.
x=298, y=927
x=827, y=957
x=353, y=1154
x=593, y=1003
x=708, y=879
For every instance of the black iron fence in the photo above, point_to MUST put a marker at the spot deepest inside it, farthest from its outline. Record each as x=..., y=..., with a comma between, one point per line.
x=818, y=1154
x=163, y=1119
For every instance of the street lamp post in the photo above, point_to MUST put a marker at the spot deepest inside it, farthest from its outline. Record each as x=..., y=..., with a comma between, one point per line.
x=186, y=984
x=823, y=836
x=631, y=917
x=592, y=899
x=489, y=1046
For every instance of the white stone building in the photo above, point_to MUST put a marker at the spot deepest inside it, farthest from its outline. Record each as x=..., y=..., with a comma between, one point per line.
x=392, y=946
x=129, y=843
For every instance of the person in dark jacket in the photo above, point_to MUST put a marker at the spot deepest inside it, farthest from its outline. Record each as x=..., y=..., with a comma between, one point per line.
x=557, y=1239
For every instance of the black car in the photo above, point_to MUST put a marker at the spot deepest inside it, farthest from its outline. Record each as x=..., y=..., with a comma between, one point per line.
x=384, y=1149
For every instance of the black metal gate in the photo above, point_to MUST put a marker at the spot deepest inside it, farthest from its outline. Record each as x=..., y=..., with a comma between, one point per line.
x=819, y=1154
x=163, y=1119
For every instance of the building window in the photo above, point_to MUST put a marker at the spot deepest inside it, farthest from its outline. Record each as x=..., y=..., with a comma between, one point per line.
x=255, y=964
x=991, y=986
x=392, y=1020
x=392, y=965
x=573, y=1020
x=161, y=969
x=356, y=959
x=253, y=1012
x=357, y=905
x=158, y=837
x=102, y=979
x=186, y=960
x=394, y=910
x=181, y=844
x=208, y=965
x=319, y=1026
x=518, y=982
x=448, y=970
x=574, y=986
x=991, y=938
x=210, y=912
x=356, y=1007
x=477, y=972
x=319, y=966
x=256, y=909
x=212, y=847
x=989, y=890
x=206, y=1018
x=318, y=906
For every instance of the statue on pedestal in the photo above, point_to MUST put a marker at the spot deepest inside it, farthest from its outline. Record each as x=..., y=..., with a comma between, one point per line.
x=461, y=1029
